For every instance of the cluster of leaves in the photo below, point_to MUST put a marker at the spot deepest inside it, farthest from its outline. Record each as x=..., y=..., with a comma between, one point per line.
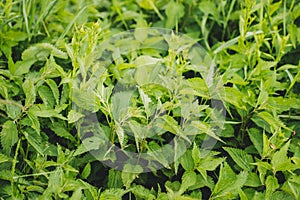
x=57, y=71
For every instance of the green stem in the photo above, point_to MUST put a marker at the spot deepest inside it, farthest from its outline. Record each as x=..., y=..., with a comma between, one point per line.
x=13, y=168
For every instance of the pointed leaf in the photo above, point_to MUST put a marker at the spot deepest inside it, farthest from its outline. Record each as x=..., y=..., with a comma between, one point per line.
x=240, y=157
x=9, y=136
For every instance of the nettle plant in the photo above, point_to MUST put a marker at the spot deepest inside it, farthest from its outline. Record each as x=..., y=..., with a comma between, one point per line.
x=149, y=103
x=149, y=92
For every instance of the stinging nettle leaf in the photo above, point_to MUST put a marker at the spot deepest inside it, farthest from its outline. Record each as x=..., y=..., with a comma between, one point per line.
x=74, y=116
x=256, y=138
x=41, y=51
x=30, y=92
x=51, y=83
x=61, y=131
x=280, y=156
x=9, y=136
x=240, y=157
x=188, y=179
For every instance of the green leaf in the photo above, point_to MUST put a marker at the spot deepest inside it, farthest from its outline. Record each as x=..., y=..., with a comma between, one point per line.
x=209, y=7
x=114, y=179
x=120, y=104
x=4, y=158
x=186, y=161
x=13, y=111
x=271, y=121
x=23, y=67
x=29, y=91
x=256, y=138
x=280, y=195
x=48, y=113
x=74, y=116
x=280, y=157
x=86, y=171
x=112, y=194
x=33, y=140
x=41, y=51
x=142, y=192
x=188, y=179
x=228, y=183
x=9, y=136
x=206, y=129
x=61, y=131
x=234, y=97
x=174, y=12
x=35, y=124
x=146, y=100
x=85, y=99
x=263, y=97
x=77, y=194
x=240, y=157
x=168, y=123
x=271, y=186
x=88, y=144
x=46, y=95
x=51, y=83
x=253, y=180
x=129, y=173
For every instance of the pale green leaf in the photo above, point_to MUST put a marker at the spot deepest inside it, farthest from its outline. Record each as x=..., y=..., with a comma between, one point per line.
x=41, y=51
x=130, y=173
x=174, y=12
x=88, y=144
x=74, y=116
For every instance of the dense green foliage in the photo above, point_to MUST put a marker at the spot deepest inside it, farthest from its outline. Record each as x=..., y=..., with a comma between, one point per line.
x=47, y=46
